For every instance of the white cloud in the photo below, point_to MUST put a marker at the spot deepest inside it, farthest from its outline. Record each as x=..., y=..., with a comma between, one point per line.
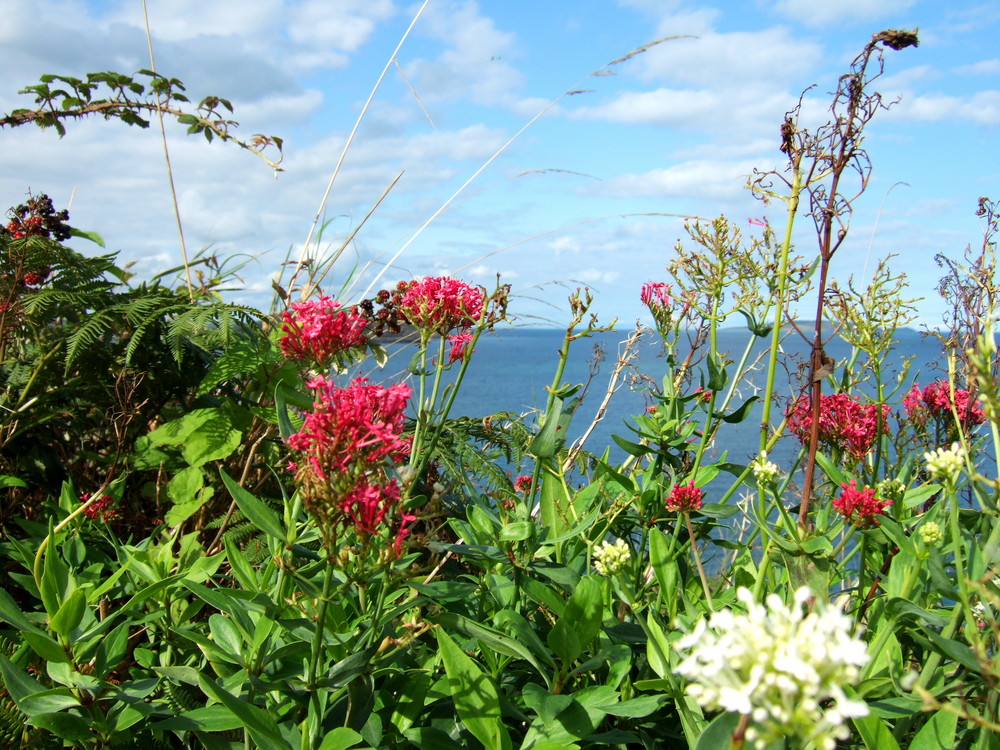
x=983, y=67
x=982, y=108
x=719, y=180
x=742, y=111
x=323, y=32
x=773, y=56
x=180, y=20
x=564, y=245
x=473, y=66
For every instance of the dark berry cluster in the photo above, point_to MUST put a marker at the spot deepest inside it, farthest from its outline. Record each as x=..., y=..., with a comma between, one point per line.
x=384, y=311
x=37, y=217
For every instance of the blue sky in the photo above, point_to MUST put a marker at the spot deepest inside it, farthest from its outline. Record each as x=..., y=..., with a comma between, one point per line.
x=674, y=131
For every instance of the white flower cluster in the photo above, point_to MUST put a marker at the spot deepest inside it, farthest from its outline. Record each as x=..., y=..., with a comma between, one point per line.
x=946, y=463
x=778, y=665
x=765, y=471
x=609, y=559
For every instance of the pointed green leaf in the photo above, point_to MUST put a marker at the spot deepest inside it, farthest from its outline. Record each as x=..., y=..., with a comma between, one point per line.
x=259, y=514
x=340, y=738
x=476, y=699
x=259, y=723
x=70, y=613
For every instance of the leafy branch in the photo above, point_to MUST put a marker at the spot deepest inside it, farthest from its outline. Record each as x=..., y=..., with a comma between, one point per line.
x=115, y=95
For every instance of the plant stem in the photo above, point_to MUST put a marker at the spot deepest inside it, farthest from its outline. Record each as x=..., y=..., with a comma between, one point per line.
x=697, y=562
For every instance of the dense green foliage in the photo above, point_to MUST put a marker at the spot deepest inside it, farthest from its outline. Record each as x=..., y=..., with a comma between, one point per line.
x=212, y=537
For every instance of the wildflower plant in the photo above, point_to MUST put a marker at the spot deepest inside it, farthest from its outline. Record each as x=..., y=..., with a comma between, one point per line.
x=784, y=667
x=316, y=559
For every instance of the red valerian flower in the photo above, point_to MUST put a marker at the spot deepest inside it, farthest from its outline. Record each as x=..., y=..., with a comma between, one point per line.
x=317, y=330
x=935, y=402
x=441, y=304
x=460, y=347
x=102, y=509
x=522, y=484
x=684, y=498
x=346, y=442
x=357, y=427
x=845, y=424
x=655, y=294
x=860, y=507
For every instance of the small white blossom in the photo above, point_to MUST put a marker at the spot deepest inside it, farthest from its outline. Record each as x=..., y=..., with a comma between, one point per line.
x=784, y=667
x=765, y=471
x=609, y=559
x=946, y=463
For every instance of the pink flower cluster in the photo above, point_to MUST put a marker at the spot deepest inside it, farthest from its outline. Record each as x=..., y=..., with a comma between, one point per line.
x=460, y=347
x=935, y=402
x=655, y=294
x=442, y=304
x=345, y=443
x=860, y=507
x=845, y=424
x=318, y=330
x=684, y=498
x=522, y=484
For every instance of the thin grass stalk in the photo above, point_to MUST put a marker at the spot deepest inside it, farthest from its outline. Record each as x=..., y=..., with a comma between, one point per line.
x=166, y=158
x=482, y=168
x=350, y=141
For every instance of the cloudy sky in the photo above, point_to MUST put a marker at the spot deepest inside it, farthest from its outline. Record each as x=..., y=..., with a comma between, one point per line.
x=588, y=194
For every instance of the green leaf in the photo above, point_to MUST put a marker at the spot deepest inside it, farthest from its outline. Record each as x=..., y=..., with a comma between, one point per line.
x=719, y=733
x=18, y=683
x=954, y=650
x=554, y=498
x=898, y=607
x=283, y=395
x=517, y=531
x=580, y=622
x=111, y=650
x=657, y=648
x=633, y=449
x=226, y=635
x=70, y=613
x=259, y=723
x=552, y=436
x=92, y=236
x=202, y=435
x=741, y=413
x=340, y=738
x=55, y=578
x=895, y=532
x=874, y=732
x=12, y=614
x=45, y=647
x=938, y=732
x=239, y=359
x=476, y=699
x=67, y=726
x=8, y=481
x=49, y=701
x=488, y=637
x=636, y=708
x=213, y=718
x=258, y=513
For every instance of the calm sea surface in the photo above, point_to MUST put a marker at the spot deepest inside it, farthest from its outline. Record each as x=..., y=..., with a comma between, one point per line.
x=512, y=368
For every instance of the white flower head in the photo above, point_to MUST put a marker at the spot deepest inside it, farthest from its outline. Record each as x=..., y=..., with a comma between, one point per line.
x=946, y=463
x=784, y=667
x=765, y=471
x=609, y=559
